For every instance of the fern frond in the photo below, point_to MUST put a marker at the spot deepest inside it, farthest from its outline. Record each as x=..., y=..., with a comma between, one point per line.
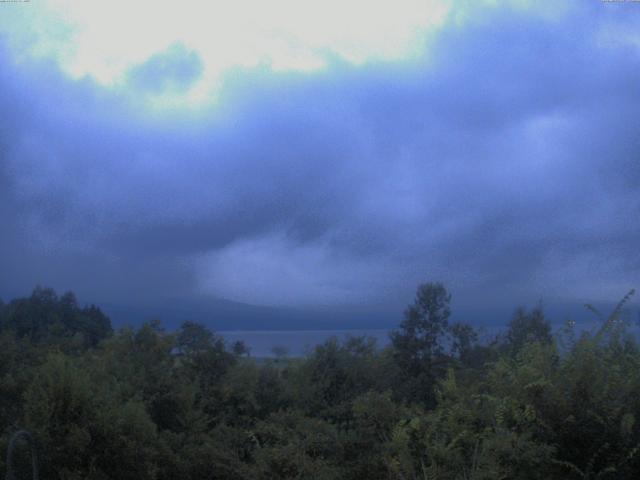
x=574, y=468
x=595, y=311
x=614, y=315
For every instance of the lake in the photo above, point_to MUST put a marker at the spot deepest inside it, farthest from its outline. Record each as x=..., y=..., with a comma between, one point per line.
x=298, y=342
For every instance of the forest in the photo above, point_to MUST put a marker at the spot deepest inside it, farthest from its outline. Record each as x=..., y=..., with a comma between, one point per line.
x=148, y=404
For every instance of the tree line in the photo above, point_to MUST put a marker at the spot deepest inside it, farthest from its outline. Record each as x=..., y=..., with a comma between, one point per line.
x=436, y=403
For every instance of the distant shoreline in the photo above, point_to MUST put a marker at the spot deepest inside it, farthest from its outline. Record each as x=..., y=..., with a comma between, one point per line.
x=297, y=343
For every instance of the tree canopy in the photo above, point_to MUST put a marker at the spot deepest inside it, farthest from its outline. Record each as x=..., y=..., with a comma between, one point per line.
x=435, y=403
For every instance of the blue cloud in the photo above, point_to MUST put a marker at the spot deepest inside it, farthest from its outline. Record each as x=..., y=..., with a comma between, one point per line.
x=175, y=70
x=506, y=165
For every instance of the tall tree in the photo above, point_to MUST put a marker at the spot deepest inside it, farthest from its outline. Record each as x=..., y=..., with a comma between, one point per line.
x=417, y=345
x=527, y=327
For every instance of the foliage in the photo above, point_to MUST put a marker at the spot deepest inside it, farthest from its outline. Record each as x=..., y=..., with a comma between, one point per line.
x=417, y=345
x=525, y=328
x=46, y=318
x=436, y=404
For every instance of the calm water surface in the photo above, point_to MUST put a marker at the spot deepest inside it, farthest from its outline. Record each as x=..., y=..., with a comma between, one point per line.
x=297, y=343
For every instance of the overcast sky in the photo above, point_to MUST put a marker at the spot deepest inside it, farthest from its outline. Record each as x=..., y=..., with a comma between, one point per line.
x=316, y=154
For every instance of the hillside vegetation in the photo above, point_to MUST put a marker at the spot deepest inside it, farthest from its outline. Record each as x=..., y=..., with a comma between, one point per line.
x=435, y=404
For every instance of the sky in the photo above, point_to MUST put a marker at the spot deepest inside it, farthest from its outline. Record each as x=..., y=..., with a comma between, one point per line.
x=323, y=157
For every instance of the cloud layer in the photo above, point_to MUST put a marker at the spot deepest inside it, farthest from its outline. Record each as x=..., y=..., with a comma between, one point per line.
x=506, y=163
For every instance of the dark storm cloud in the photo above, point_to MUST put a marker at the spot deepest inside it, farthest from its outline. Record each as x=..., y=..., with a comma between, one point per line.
x=506, y=164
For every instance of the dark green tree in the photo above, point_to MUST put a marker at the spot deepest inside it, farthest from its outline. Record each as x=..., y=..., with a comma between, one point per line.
x=417, y=345
x=46, y=318
x=527, y=327
x=193, y=338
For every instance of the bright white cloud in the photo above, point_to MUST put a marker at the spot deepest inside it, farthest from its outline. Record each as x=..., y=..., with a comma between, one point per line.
x=275, y=270
x=104, y=40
